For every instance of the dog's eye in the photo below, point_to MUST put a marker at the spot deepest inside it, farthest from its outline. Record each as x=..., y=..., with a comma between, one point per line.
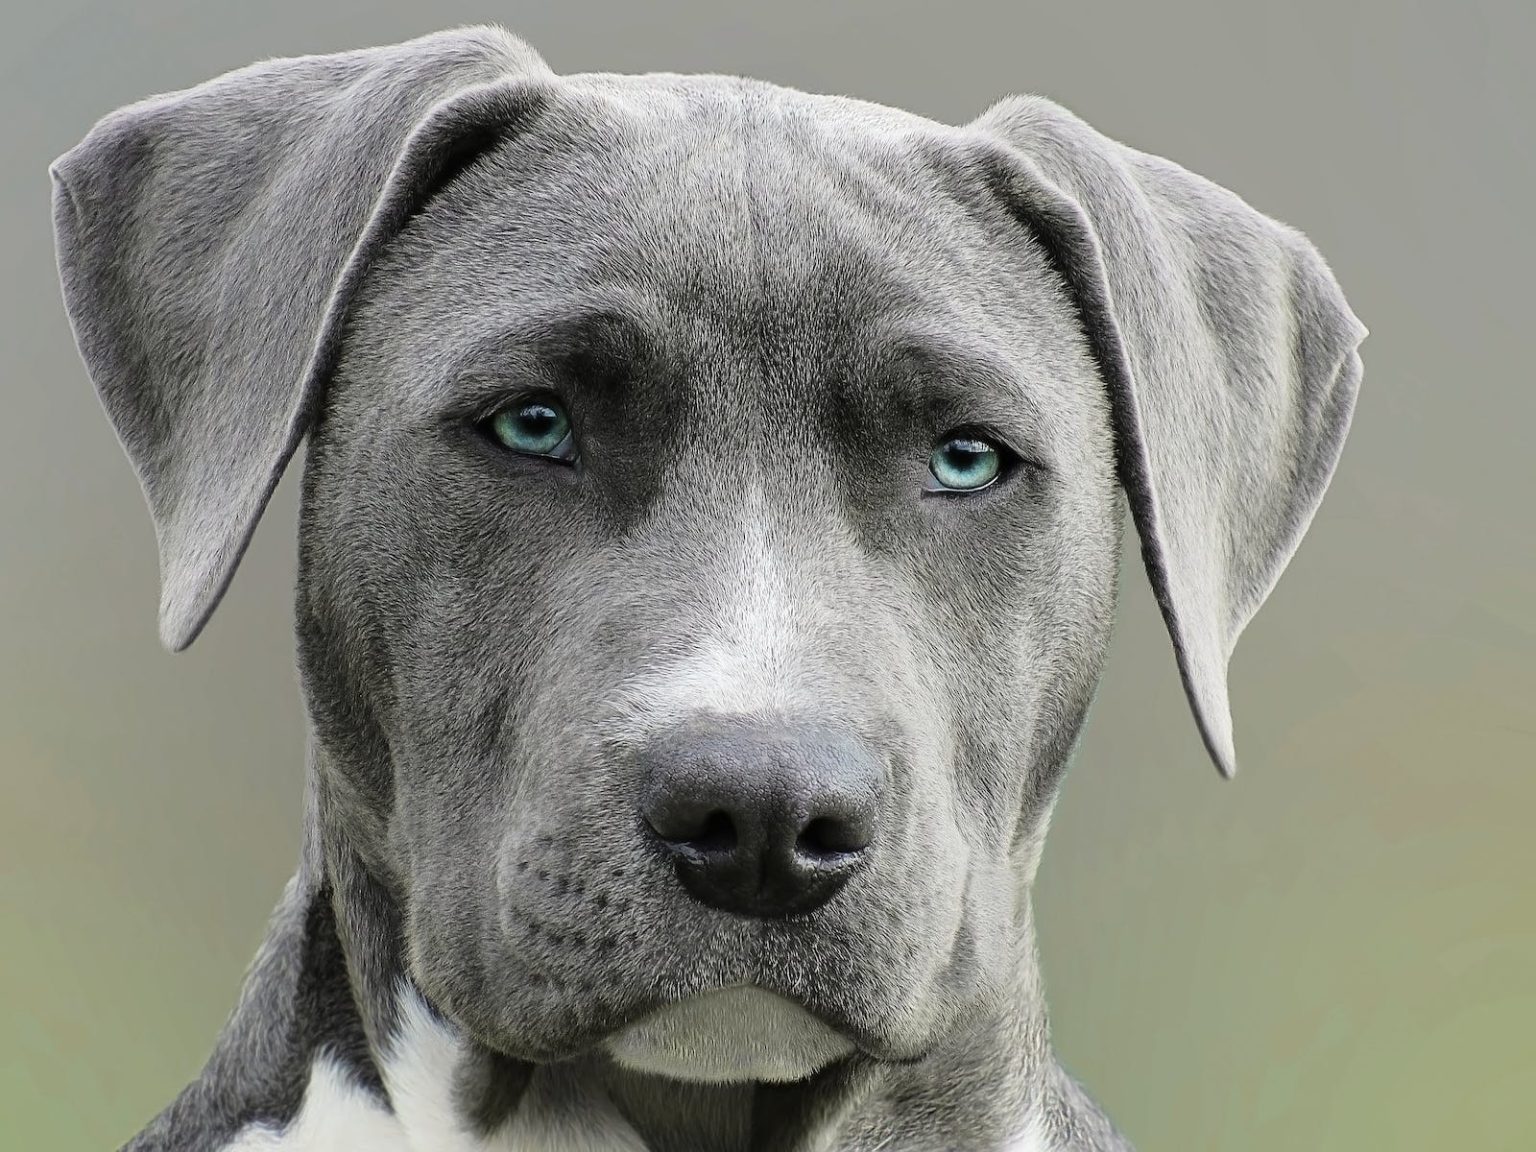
x=535, y=428
x=964, y=463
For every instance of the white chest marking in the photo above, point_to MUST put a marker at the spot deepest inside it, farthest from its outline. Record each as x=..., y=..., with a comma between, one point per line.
x=1031, y=1138
x=339, y=1115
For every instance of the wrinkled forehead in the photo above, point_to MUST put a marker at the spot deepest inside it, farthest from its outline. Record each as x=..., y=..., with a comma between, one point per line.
x=765, y=237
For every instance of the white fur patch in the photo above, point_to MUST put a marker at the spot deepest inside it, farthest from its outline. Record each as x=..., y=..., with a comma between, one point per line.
x=748, y=658
x=729, y=1036
x=1031, y=1138
x=418, y=1071
x=337, y=1113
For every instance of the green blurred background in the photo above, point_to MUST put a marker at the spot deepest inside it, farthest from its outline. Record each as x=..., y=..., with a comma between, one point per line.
x=1336, y=951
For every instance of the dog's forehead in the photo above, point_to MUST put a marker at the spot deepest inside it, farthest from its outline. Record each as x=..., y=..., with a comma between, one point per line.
x=793, y=226
x=692, y=183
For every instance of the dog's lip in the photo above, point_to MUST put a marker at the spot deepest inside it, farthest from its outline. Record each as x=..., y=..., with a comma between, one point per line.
x=652, y=1005
x=735, y=1033
x=867, y=1044
x=865, y=1041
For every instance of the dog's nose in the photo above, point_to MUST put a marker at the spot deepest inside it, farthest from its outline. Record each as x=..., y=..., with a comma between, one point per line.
x=761, y=818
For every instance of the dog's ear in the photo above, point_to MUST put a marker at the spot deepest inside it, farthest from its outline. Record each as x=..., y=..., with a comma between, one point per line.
x=1229, y=354
x=209, y=241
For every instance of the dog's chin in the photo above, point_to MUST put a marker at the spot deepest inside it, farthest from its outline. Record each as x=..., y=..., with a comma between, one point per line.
x=727, y=1036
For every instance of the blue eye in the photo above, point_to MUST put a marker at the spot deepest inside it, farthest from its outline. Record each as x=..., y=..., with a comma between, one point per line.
x=535, y=428
x=964, y=463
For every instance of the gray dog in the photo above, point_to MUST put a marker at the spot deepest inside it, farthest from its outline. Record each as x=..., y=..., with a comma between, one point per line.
x=707, y=556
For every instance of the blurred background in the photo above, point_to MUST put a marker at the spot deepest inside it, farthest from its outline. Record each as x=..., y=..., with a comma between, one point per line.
x=1335, y=951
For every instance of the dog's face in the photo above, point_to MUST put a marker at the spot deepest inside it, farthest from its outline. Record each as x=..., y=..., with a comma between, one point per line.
x=711, y=516
x=761, y=362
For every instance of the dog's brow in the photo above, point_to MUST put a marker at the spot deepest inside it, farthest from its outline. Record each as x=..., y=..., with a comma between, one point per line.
x=593, y=342
x=959, y=380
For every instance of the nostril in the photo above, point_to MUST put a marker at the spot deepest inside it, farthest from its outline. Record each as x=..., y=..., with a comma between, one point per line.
x=695, y=828
x=718, y=833
x=827, y=836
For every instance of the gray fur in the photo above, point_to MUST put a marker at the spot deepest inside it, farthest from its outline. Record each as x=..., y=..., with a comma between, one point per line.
x=763, y=308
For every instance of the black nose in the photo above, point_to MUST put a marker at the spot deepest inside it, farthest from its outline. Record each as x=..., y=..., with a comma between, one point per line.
x=761, y=818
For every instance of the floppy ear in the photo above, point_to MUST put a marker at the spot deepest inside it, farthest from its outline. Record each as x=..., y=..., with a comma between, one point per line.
x=1230, y=358
x=209, y=241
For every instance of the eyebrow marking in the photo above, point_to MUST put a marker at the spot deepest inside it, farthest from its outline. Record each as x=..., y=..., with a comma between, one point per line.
x=960, y=380
x=599, y=337
x=947, y=356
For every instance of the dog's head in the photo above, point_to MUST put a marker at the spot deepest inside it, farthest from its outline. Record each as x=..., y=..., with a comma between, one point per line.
x=711, y=511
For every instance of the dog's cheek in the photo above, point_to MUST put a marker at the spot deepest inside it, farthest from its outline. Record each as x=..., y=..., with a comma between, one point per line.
x=507, y=782
x=1018, y=597
x=975, y=570
x=429, y=617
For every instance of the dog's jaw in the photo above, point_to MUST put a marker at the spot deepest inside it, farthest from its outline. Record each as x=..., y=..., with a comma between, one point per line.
x=420, y=1068
x=331, y=1048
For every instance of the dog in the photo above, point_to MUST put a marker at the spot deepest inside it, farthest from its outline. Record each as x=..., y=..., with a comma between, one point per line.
x=707, y=554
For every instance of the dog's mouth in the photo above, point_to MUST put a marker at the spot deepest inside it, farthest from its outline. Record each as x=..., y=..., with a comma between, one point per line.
x=730, y=1035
